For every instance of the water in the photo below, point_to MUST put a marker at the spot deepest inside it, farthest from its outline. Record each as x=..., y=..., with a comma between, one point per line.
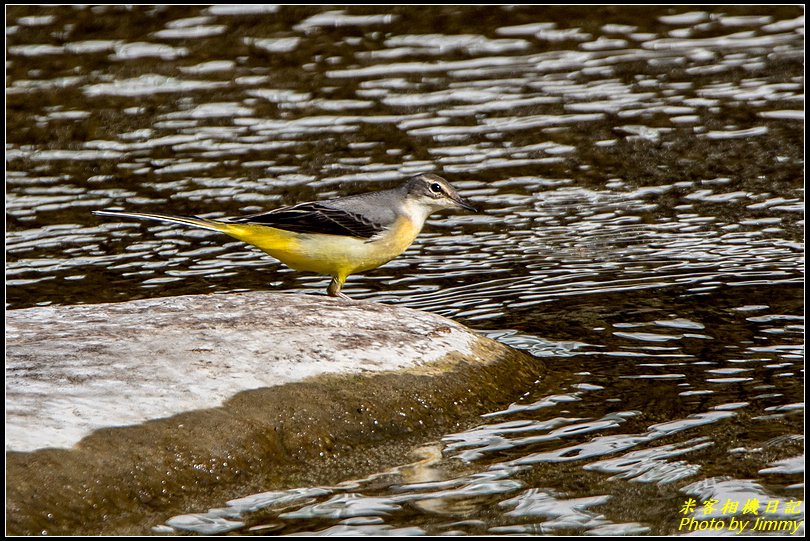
x=641, y=175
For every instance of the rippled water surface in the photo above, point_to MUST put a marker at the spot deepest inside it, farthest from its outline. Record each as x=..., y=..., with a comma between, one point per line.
x=641, y=175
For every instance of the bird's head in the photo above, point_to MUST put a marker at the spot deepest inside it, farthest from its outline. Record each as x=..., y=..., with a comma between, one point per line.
x=433, y=193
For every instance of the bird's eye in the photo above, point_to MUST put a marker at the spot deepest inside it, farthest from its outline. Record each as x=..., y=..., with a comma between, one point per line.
x=436, y=187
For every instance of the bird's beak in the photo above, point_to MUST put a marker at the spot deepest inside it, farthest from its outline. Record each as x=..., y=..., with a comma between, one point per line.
x=464, y=204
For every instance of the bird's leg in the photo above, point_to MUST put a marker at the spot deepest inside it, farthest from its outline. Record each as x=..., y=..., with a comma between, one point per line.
x=334, y=288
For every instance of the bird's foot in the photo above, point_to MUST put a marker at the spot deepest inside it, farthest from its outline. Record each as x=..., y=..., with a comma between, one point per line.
x=334, y=289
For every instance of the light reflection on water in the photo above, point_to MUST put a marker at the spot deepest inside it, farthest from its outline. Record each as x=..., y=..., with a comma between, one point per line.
x=642, y=234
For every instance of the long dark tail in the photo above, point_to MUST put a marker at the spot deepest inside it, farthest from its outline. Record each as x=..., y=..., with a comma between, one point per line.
x=193, y=221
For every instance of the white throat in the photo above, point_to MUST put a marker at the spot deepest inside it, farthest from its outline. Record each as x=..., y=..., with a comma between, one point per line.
x=416, y=212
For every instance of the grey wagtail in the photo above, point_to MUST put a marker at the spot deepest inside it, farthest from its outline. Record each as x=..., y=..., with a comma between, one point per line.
x=337, y=237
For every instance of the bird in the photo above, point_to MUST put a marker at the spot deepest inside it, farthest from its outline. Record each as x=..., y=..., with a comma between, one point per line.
x=336, y=237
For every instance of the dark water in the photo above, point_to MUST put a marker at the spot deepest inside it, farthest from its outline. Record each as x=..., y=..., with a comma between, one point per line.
x=641, y=171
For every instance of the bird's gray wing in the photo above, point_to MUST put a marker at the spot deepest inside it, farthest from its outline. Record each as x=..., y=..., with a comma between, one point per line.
x=315, y=218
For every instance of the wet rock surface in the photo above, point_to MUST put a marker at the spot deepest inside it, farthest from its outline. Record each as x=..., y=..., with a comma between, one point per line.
x=127, y=411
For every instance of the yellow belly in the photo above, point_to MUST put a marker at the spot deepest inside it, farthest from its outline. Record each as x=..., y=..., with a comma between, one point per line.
x=328, y=254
